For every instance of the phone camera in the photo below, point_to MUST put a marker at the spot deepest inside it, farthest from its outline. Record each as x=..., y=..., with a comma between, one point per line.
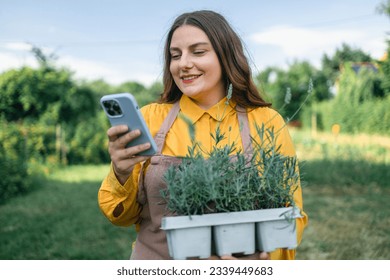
x=112, y=107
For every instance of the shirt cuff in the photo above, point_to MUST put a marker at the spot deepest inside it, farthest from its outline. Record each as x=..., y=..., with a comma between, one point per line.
x=117, y=188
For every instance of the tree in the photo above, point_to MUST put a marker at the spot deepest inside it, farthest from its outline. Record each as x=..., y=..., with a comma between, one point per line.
x=331, y=64
x=385, y=63
x=131, y=87
x=356, y=87
x=275, y=82
x=47, y=104
x=156, y=89
x=44, y=94
x=44, y=60
x=99, y=88
x=384, y=7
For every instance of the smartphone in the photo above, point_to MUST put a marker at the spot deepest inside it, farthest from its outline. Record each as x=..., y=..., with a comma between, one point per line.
x=122, y=108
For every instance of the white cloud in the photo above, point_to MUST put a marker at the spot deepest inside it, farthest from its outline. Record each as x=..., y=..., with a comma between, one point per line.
x=10, y=60
x=88, y=69
x=82, y=68
x=92, y=70
x=296, y=41
x=17, y=46
x=311, y=44
x=24, y=47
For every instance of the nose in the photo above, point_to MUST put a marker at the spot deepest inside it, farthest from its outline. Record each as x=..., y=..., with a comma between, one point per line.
x=185, y=61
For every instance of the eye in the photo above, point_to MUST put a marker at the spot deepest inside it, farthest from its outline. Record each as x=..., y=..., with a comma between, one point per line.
x=199, y=52
x=175, y=56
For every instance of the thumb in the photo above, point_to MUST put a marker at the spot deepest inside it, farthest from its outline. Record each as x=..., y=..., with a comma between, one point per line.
x=264, y=256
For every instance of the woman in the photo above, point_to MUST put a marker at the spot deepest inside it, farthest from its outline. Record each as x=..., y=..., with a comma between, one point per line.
x=203, y=58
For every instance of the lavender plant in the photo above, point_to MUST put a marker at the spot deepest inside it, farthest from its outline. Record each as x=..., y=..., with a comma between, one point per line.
x=227, y=180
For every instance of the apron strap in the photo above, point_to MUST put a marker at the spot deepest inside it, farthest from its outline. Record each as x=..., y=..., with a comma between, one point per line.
x=166, y=125
x=244, y=129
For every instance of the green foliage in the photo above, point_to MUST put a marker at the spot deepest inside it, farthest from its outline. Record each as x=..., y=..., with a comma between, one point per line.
x=331, y=64
x=44, y=94
x=143, y=95
x=99, y=88
x=65, y=223
x=61, y=119
x=358, y=106
x=278, y=176
x=275, y=82
x=370, y=117
x=89, y=143
x=44, y=60
x=384, y=7
x=13, y=167
x=62, y=220
x=41, y=101
x=226, y=180
x=132, y=87
x=385, y=67
x=149, y=95
x=356, y=88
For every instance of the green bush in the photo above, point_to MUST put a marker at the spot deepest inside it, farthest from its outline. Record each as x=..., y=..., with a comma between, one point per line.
x=89, y=143
x=13, y=162
x=370, y=116
x=360, y=106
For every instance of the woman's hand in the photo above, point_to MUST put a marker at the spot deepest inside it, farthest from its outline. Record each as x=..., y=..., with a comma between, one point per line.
x=123, y=159
x=255, y=256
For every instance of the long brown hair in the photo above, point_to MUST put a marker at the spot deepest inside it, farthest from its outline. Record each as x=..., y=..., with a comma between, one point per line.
x=229, y=49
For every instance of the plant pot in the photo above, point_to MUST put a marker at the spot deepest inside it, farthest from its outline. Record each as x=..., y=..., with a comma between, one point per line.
x=277, y=230
x=187, y=236
x=190, y=242
x=234, y=238
x=234, y=232
x=272, y=235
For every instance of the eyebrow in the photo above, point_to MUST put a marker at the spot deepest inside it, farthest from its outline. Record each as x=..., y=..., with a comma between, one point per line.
x=191, y=46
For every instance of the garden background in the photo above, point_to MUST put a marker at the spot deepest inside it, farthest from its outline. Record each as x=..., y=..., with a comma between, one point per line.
x=53, y=156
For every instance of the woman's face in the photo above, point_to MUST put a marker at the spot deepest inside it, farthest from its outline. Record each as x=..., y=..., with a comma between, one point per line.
x=195, y=67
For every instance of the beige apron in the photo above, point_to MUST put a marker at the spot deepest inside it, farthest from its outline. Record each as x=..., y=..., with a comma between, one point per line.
x=151, y=243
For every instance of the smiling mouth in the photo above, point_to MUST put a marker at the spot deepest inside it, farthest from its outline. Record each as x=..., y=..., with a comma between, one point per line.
x=189, y=78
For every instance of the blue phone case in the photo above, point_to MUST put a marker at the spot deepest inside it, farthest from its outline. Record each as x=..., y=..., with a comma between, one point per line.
x=122, y=108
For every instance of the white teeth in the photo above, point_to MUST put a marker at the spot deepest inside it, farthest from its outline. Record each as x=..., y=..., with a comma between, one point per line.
x=189, y=77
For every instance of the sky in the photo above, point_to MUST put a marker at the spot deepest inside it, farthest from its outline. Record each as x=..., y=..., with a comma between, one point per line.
x=118, y=40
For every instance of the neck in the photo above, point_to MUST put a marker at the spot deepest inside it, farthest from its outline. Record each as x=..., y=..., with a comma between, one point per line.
x=207, y=103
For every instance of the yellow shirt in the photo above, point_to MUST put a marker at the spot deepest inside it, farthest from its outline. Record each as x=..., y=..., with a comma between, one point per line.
x=176, y=144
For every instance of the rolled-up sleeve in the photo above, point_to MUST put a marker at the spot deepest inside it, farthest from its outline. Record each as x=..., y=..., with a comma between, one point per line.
x=119, y=202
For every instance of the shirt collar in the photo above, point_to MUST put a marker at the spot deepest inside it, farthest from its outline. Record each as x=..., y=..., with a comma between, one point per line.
x=218, y=112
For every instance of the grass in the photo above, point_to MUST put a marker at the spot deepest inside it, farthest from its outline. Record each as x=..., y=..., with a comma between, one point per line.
x=346, y=197
x=61, y=220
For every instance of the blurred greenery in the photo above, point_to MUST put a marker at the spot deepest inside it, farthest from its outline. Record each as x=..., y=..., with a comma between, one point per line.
x=346, y=190
x=62, y=220
x=51, y=120
x=347, y=186
x=61, y=121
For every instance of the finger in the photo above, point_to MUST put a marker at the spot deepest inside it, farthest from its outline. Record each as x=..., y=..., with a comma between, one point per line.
x=126, y=158
x=135, y=150
x=264, y=256
x=115, y=131
x=128, y=137
x=125, y=166
x=228, y=257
